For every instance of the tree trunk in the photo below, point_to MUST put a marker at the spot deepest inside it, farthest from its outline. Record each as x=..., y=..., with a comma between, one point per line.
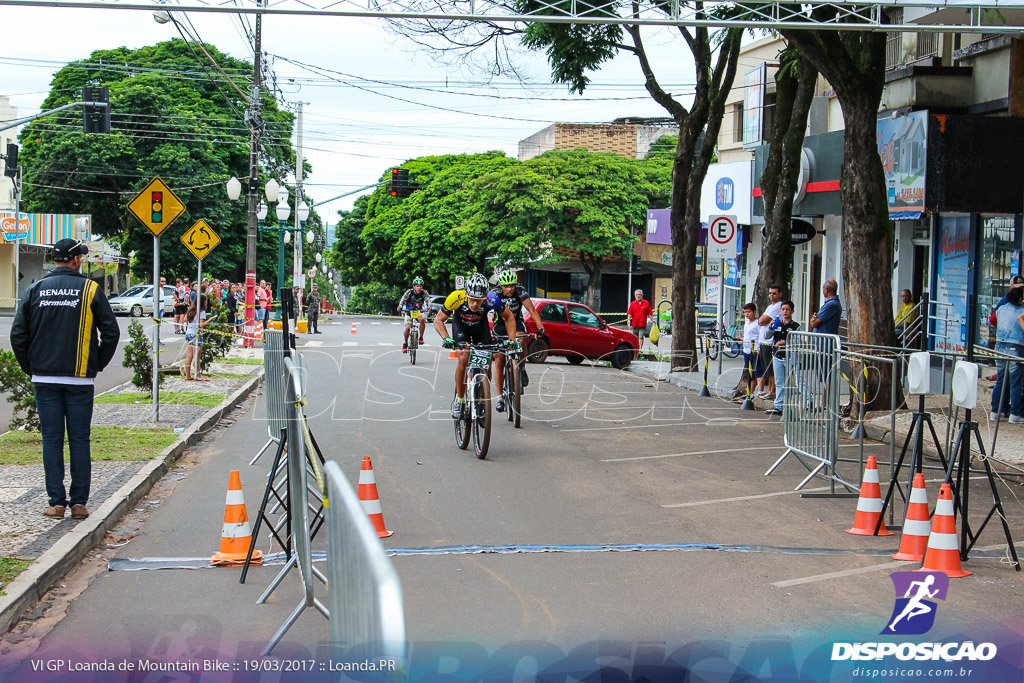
x=794, y=92
x=854, y=64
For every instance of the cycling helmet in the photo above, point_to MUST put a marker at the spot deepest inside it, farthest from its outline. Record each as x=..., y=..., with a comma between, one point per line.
x=508, y=277
x=476, y=286
x=417, y=281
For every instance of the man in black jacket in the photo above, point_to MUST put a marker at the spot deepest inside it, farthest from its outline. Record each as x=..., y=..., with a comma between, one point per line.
x=55, y=340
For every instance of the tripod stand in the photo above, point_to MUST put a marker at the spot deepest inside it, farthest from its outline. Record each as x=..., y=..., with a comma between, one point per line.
x=917, y=424
x=961, y=459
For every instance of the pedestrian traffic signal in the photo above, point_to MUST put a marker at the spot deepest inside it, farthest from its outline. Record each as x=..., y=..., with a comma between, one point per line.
x=635, y=265
x=11, y=168
x=96, y=117
x=399, y=182
x=157, y=200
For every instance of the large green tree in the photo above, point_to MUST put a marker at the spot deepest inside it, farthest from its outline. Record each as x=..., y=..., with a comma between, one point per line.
x=174, y=117
x=569, y=201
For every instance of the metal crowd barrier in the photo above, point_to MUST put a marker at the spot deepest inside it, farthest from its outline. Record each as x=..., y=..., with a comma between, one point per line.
x=364, y=594
x=274, y=396
x=811, y=406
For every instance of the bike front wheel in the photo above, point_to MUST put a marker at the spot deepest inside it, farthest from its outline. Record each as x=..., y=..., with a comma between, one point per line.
x=462, y=428
x=731, y=348
x=414, y=343
x=481, y=414
x=711, y=346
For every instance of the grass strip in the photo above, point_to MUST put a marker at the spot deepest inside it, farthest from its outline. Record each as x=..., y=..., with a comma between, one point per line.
x=107, y=443
x=10, y=568
x=195, y=398
x=241, y=361
x=229, y=375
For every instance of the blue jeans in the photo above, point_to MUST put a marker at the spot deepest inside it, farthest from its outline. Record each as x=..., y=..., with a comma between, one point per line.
x=1014, y=401
x=779, y=368
x=65, y=407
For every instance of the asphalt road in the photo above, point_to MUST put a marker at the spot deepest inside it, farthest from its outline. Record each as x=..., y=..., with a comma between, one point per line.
x=115, y=373
x=604, y=458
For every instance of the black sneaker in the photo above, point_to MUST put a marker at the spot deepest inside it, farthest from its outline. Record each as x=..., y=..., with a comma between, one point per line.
x=422, y=342
x=457, y=409
x=524, y=379
x=405, y=348
x=773, y=411
x=499, y=404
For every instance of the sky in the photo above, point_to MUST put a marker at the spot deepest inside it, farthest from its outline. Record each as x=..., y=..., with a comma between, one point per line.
x=354, y=130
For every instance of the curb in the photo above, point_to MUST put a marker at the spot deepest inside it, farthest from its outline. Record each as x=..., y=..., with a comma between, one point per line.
x=680, y=380
x=30, y=586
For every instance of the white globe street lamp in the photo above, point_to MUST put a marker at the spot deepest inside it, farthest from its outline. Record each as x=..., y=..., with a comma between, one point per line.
x=283, y=211
x=303, y=211
x=261, y=211
x=319, y=257
x=310, y=237
x=287, y=237
x=271, y=188
x=234, y=188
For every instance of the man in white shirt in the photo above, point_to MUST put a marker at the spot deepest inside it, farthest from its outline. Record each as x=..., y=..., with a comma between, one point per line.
x=767, y=377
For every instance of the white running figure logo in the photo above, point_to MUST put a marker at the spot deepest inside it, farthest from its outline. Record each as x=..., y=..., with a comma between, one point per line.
x=915, y=607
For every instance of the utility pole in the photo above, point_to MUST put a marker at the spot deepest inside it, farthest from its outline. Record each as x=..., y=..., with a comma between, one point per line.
x=297, y=271
x=252, y=195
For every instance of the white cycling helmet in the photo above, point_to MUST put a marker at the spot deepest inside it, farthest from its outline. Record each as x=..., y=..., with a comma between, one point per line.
x=476, y=286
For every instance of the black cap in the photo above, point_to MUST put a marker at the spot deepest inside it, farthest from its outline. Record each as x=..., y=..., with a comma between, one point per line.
x=314, y=285
x=1016, y=281
x=67, y=249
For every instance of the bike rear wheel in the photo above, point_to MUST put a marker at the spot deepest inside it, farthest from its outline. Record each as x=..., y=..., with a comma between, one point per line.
x=731, y=347
x=462, y=429
x=711, y=346
x=481, y=414
x=414, y=342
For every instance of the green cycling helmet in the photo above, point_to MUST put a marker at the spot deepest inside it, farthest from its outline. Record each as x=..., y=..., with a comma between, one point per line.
x=417, y=281
x=508, y=277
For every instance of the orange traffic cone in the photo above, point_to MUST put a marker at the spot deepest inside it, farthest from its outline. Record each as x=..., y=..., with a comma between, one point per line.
x=353, y=327
x=917, y=525
x=869, y=505
x=452, y=354
x=236, y=536
x=368, y=496
x=943, y=554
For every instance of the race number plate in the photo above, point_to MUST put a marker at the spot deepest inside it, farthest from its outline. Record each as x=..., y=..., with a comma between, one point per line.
x=479, y=359
x=414, y=314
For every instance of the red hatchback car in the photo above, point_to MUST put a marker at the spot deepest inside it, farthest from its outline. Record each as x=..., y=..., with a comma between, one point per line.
x=576, y=332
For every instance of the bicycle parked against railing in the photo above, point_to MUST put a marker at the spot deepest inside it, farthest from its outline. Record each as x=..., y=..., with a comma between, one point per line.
x=728, y=342
x=475, y=416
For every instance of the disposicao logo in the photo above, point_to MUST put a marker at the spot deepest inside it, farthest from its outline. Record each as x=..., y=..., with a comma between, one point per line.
x=914, y=614
x=724, y=193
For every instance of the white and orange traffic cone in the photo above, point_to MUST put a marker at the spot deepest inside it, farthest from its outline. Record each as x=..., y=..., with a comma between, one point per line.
x=869, y=505
x=917, y=526
x=236, y=535
x=258, y=331
x=943, y=553
x=368, y=496
x=353, y=327
x=452, y=354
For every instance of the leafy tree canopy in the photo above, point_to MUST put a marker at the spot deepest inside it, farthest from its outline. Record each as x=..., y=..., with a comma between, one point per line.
x=174, y=117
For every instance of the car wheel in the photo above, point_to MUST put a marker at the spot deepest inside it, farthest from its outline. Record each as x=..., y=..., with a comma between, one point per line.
x=575, y=360
x=136, y=311
x=622, y=356
x=537, y=351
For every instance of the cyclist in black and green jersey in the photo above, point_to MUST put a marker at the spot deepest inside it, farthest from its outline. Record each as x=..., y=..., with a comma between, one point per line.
x=515, y=298
x=415, y=299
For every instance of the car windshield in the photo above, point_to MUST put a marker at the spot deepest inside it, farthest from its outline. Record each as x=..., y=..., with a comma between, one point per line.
x=137, y=290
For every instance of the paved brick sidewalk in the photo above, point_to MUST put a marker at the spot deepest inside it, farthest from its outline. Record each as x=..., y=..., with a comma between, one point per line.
x=26, y=534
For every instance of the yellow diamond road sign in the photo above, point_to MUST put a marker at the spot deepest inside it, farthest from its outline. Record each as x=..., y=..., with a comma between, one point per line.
x=156, y=206
x=200, y=239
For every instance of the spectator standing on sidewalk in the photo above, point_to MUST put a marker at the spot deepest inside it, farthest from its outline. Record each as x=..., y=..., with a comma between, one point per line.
x=639, y=312
x=766, y=378
x=313, y=310
x=751, y=338
x=1010, y=341
x=826, y=320
x=781, y=328
x=63, y=334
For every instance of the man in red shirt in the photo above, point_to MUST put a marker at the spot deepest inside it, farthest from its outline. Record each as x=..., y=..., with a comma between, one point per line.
x=639, y=312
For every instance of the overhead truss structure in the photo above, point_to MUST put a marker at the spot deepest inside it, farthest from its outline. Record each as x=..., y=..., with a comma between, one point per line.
x=949, y=16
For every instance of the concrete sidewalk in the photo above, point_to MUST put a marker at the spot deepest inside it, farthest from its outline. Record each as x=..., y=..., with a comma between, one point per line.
x=53, y=546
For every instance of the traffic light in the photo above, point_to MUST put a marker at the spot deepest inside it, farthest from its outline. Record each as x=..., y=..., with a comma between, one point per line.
x=96, y=119
x=635, y=265
x=399, y=182
x=11, y=168
x=157, y=200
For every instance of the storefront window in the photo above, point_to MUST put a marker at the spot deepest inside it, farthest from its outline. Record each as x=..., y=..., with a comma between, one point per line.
x=999, y=249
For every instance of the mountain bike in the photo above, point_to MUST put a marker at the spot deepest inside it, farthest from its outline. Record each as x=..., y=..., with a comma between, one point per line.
x=414, y=334
x=475, y=417
x=513, y=389
x=727, y=341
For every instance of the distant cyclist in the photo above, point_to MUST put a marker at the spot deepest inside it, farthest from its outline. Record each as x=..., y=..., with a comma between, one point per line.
x=415, y=299
x=516, y=299
x=468, y=309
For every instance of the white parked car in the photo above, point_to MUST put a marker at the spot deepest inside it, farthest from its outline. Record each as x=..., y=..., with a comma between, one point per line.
x=138, y=300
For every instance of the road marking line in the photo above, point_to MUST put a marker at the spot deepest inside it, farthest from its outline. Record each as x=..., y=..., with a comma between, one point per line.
x=738, y=498
x=314, y=343
x=859, y=570
x=375, y=323
x=667, y=424
x=384, y=344
x=350, y=343
x=725, y=450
